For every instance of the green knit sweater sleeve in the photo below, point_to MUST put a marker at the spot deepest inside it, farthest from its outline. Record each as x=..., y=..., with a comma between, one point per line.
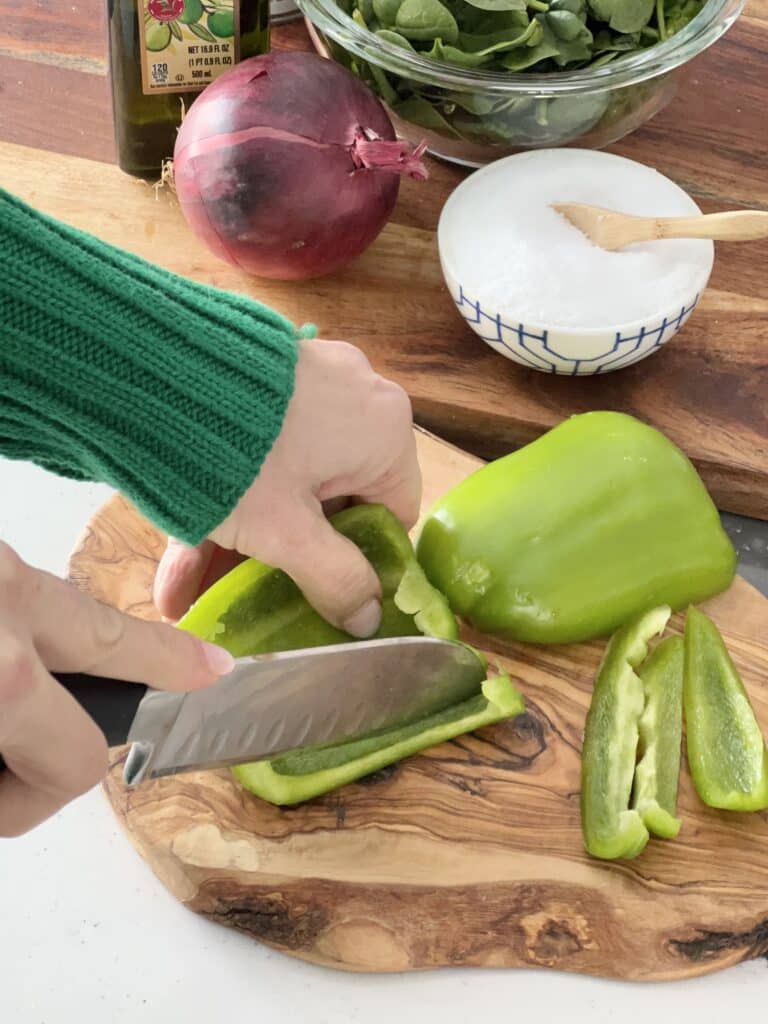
x=114, y=370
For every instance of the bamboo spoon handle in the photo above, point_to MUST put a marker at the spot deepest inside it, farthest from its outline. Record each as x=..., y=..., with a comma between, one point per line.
x=734, y=226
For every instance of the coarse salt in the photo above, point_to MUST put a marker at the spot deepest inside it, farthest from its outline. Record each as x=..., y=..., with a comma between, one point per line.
x=516, y=256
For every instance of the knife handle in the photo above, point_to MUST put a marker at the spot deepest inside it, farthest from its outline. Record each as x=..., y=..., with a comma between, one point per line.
x=111, y=703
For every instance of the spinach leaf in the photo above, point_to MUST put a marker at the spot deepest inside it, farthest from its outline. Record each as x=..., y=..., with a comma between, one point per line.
x=578, y=7
x=485, y=23
x=498, y=5
x=496, y=41
x=606, y=42
x=678, y=13
x=383, y=86
x=520, y=60
x=461, y=58
x=623, y=15
x=422, y=112
x=566, y=50
x=386, y=11
x=565, y=25
x=473, y=103
x=426, y=19
x=396, y=39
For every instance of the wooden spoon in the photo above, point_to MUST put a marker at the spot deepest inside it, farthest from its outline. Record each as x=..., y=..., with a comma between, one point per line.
x=612, y=230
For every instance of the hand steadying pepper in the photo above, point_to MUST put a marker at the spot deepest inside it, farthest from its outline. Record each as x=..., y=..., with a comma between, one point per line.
x=347, y=432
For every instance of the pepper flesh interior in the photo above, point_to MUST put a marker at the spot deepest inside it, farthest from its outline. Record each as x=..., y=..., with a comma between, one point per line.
x=611, y=829
x=660, y=727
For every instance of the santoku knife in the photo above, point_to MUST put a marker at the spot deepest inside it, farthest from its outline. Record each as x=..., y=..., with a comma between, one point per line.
x=274, y=703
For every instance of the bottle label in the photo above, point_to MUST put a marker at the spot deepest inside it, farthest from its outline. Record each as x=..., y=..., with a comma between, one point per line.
x=187, y=44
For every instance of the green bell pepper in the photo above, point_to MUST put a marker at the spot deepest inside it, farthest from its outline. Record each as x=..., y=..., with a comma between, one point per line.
x=304, y=774
x=726, y=751
x=573, y=535
x=256, y=609
x=611, y=828
x=661, y=730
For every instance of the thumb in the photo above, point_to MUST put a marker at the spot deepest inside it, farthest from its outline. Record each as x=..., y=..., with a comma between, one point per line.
x=184, y=573
x=179, y=577
x=331, y=571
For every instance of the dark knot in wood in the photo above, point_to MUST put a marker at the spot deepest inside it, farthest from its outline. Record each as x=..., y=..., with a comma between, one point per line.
x=273, y=920
x=708, y=945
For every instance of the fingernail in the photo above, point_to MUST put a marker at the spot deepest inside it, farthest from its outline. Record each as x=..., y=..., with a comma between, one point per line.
x=365, y=621
x=218, y=660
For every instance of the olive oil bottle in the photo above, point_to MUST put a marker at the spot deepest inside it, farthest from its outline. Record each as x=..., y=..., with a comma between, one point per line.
x=162, y=55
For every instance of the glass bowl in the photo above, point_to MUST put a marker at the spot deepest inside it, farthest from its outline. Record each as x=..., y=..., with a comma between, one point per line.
x=472, y=117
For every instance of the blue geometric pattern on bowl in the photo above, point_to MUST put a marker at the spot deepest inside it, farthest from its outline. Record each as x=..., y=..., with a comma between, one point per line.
x=536, y=348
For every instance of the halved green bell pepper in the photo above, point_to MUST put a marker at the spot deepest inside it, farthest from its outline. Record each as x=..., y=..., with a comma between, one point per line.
x=727, y=755
x=256, y=609
x=611, y=829
x=573, y=535
x=661, y=729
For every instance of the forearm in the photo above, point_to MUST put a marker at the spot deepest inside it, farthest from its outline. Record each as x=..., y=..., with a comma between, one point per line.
x=114, y=370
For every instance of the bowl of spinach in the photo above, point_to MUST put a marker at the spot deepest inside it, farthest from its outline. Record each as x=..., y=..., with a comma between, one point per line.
x=480, y=79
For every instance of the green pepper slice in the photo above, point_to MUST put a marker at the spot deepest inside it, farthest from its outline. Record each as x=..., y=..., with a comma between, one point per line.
x=611, y=829
x=661, y=730
x=305, y=774
x=256, y=609
x=726, y=751
x=571, y=536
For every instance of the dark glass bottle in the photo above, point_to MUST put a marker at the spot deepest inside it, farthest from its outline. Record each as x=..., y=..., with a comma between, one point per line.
x=162, y=55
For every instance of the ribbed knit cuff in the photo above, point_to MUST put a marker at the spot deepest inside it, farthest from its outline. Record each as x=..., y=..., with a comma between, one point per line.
x=112, y=369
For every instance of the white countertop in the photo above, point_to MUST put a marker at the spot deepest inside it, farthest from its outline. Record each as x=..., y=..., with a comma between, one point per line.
x=88, y=934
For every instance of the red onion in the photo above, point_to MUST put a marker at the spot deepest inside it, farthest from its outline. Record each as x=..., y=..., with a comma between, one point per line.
x=288, y=166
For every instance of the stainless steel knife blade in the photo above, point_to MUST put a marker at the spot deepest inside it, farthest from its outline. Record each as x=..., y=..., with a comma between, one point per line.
x=274, y=703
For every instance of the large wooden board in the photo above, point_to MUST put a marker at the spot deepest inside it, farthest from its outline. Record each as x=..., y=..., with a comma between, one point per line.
x=469, y=854
x=707, y=389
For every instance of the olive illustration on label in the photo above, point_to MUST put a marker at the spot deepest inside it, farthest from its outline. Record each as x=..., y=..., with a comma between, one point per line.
x=193, y=11
x=157, y=36
x=221, y=24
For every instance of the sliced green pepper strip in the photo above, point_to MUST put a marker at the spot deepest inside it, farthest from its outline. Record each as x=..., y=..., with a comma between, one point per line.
x=575, y=534
x=726, y=751
x=306, y=774
x=256, y=609
x=661, y=731
x=611, y=829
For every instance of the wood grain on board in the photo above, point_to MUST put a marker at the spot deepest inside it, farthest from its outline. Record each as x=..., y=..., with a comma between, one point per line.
x=469, y=854
x=708, y=389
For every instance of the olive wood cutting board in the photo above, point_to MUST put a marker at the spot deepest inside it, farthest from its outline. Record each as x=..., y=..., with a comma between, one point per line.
x=469, y=854
x=707, y=389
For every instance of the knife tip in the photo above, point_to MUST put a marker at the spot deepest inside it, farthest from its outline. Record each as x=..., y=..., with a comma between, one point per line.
x=137, y=762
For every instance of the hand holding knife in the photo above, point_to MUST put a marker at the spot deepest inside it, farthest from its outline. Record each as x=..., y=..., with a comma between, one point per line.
x=274, y=703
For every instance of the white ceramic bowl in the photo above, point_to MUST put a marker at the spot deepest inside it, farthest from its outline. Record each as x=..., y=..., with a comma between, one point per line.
x=543, y=343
